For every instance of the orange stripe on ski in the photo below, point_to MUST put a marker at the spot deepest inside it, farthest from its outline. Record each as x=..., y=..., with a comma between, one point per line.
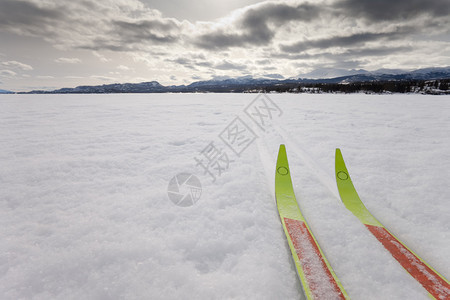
x=320, y=280
x=428, y=278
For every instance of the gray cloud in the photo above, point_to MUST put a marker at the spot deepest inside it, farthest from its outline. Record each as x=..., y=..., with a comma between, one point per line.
x=386, y=10
x=263, y=62
x=193, y=63
x=345, y=41
x=123, y=32
x=347, y=54
x=258, y=25
x=226, y=65
x=129, y=26
x=7, y=73
x=88, y=24
x=269, y=68
x=221, y=40
x=182, y=61
x=254, y=26
x=27, y=17
x=159, y=31
x=103, y=43
x=68, y=60
x=375, y=51
x=187, y=62
x=204, y=64
x=17, y=65
x=347, y=64
x=17, y=12
x=128, y=36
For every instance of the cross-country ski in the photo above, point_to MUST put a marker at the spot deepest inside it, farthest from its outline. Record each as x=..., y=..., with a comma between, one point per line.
x=436, y=285
x=316, y=275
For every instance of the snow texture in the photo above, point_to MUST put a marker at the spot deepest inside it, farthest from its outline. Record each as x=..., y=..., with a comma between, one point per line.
x=85, y=213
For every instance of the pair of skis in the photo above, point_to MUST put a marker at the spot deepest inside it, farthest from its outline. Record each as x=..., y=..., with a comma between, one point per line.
x=316, y=275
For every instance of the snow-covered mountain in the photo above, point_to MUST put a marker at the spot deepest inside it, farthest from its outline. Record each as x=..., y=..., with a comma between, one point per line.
x=394, y=74
x=227, y=82
x=142, y=87
x=248, y=82
x=329, y=73
x=6, y=92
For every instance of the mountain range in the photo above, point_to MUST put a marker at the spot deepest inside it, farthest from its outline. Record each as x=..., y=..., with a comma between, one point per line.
x=244, y=83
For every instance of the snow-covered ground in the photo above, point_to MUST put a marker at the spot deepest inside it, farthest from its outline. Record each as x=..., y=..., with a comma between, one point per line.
x=85, y=213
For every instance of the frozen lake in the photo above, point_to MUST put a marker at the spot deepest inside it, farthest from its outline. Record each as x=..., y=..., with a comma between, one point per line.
x=85, y=211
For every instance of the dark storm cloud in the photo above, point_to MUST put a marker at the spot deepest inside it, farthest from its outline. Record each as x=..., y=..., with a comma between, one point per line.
x=254, y=26
x=345, y=41
x=27, y=17
x=388, y=10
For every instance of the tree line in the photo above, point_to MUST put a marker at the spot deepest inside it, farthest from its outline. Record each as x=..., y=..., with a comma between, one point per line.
x=376, y=87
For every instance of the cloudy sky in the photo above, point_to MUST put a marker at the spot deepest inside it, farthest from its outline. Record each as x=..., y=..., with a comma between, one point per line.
x=48, y=44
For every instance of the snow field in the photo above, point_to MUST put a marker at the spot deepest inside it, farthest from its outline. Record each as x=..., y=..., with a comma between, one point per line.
x=84, y=211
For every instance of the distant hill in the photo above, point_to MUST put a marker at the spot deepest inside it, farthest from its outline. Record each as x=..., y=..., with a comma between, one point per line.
x=6, y=92
x=143, y=87
x=249, y=83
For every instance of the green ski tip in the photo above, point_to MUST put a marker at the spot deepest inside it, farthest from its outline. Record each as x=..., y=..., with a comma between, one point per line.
x=349, y=195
